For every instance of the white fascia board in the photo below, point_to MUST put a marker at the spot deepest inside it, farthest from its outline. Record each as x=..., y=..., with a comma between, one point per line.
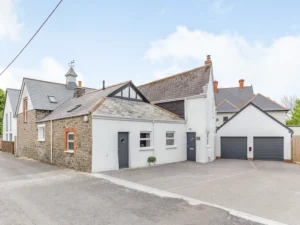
x=178, y=99
x=136, y=120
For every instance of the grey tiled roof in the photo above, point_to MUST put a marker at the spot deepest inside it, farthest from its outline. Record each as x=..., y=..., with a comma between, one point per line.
x=120, y=108
x=234, y=95
x=267, y=104
x=40, y=90
x=13, y=95
x=86, y=102
x=189, y=83
x=225, y=106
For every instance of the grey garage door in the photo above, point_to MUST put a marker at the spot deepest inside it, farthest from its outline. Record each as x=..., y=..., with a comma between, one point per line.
x=268, y=148
x=234, y=147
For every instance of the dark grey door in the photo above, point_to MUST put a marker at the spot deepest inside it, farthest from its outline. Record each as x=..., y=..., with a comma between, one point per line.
x=191, y=146
x=123, y=150
x=234, y=147
x=268, y=148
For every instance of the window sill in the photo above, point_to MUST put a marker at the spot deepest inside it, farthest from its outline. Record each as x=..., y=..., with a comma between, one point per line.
x=171, y=146
x=70, y=151
x=41, y=140
x=147, y=149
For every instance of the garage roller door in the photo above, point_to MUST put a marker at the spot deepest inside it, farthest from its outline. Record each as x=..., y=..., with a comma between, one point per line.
x=268, y=148
x=234, y=147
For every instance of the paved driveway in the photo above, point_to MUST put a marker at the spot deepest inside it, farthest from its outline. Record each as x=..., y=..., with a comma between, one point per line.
x=263, y=188
x=35, y=193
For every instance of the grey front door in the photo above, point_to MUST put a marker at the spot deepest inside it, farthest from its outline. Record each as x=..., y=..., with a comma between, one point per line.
x=123, y=151
x=234, y=147
x=268, y=148
x=191, y=146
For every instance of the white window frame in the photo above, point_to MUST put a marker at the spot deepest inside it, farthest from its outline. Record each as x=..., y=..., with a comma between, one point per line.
x=6, y=121
x=10, y=137
x=41, y=136
x=10, y=122
x=70, y=141
x=170, y=138
x=225, y=119
x=146, y=139
x=207, y=138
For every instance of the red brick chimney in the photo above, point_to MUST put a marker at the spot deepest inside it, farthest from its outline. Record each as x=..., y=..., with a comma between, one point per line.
x=216, y=86
x=208, y=60
x=241, y=81
x=79, y=83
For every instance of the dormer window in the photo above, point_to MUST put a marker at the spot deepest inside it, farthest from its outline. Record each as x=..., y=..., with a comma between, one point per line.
x=52, y=99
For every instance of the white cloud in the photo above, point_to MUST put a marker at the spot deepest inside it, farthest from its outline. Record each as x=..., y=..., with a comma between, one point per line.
x=222, y=6
x=49, y=70
x=9, y=25
x=273, y=69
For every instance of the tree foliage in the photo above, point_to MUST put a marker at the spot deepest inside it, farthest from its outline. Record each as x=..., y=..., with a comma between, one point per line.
x=2, y=102
x=289, y=101
x=295, y=118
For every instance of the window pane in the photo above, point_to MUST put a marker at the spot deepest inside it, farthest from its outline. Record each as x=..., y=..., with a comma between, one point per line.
x=71, y=136
x=145, y=135
x=145, y=143
x=71, y=146
x=170, y=134
x=170, y=141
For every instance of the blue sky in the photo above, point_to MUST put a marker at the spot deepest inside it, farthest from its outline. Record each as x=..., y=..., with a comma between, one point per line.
x=146, y=40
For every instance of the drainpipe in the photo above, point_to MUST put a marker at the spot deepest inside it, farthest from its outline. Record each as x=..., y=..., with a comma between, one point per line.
x=51, y=147
x=153, y=138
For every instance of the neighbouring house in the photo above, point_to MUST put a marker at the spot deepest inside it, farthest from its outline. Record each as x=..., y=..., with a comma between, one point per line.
x=231, y=100
x=9, y=119
x=38, y=99
x=252, y=133
x=189, y=95
x=96, y=130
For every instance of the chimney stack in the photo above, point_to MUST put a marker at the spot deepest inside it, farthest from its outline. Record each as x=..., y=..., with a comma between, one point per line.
x=103, y=88
x=79, y=83
x=208, y=60
x=78, y=92
x=216, y=86
x=241, y=81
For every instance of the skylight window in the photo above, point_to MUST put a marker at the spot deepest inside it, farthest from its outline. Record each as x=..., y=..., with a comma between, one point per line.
x=76, y=107
x=52, y=99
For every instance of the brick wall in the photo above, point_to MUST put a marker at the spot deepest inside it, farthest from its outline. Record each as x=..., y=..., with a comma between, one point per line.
x=28, y=145
x=0, y=142
x=8, y=146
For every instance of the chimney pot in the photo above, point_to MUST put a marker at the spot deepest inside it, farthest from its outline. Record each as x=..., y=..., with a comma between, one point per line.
x=103, y=88
x=79, y=83
x=216, y=86
x=241, y=82
x=208, y=60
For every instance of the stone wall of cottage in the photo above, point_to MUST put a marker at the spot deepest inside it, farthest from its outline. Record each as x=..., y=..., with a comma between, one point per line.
x=27, y=135
x=81, y=159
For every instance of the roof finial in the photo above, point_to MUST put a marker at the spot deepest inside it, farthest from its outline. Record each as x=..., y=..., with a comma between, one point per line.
x=72, y=64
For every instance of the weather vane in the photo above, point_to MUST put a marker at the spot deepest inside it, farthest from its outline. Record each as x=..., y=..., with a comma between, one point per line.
x=72, y=64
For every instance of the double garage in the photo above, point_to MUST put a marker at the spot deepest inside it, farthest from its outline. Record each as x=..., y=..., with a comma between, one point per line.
x=254, y=134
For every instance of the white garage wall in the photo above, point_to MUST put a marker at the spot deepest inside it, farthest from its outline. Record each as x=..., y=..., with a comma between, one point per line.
x=250, y=123
x=220, y=118
x=105, y=143
x=8, y=112
x=278, y=115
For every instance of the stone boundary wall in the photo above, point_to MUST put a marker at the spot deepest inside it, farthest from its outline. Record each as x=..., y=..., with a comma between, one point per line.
x=0, y=142
x=8, y=146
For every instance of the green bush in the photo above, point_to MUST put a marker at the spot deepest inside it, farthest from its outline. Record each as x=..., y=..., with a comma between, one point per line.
x=151, y=159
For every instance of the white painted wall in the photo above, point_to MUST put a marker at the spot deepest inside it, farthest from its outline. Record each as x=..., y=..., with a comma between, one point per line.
x=25, y=94
x=12, y=127
x=105, y=143
x=296, y=130
x=220, y=116
x=278, y=115
x=251, y=122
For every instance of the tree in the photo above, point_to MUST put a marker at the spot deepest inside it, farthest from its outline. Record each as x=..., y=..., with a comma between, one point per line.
x=295, y=119
x=2, y=102
x=289, y=101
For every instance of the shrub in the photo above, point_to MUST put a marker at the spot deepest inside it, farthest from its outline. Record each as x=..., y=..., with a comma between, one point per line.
x=151, y=159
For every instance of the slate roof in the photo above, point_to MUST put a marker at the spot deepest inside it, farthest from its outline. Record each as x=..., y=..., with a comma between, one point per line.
x=121, y=108
x=189, y=83
x=86, y=102
x=239, y=98
x=40, y=90
x=13, y=95
x=234, y=95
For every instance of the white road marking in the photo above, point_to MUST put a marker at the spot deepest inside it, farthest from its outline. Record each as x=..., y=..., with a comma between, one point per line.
x=252, y=163
x=211, y=180
x=191, y=201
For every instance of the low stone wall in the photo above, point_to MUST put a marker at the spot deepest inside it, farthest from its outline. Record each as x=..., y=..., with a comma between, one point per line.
x=8, y=146
x=0, y=142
